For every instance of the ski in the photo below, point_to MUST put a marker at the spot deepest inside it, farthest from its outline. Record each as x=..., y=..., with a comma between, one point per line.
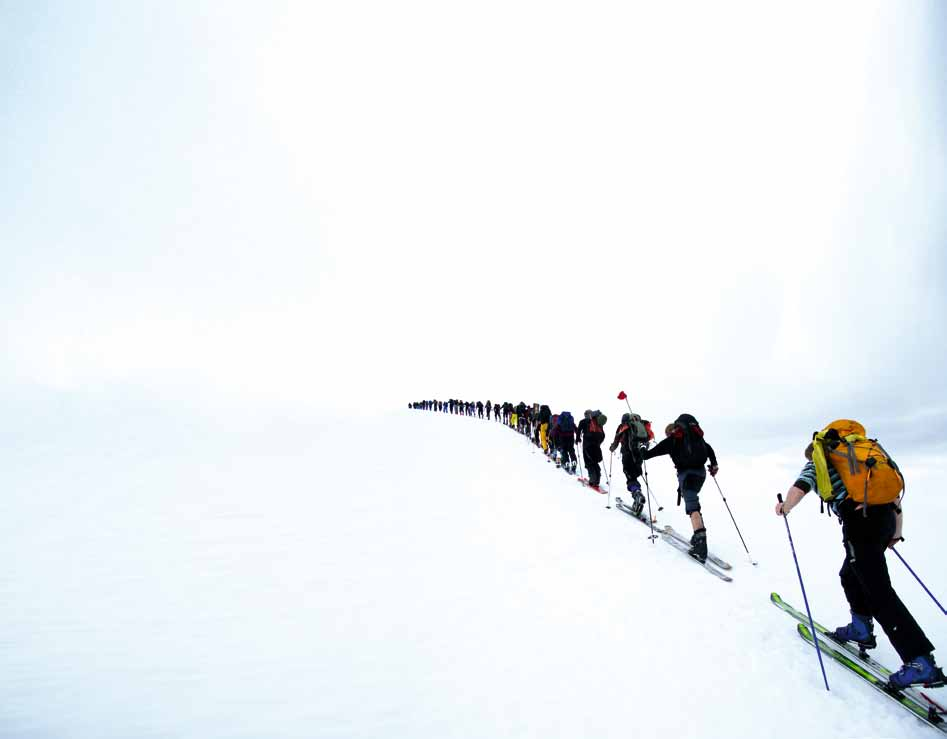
x=706, y=565
x=676, y=542
x=926, y=715
x=590, y=486
x=879, y=670
x=624, y=508
x=723, y=565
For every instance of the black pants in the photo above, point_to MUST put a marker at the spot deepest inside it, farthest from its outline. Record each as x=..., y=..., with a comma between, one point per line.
x=567, y=444
x=865, y=579
x=631, y=467
x=591, y=463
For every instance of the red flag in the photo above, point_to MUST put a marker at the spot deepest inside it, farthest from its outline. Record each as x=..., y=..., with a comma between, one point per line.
x=621, y=395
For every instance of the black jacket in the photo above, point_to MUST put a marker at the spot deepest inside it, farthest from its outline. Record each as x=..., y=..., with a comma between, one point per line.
x=580, y=429
x=591, y=440
x=623, y=439
x=679, y=454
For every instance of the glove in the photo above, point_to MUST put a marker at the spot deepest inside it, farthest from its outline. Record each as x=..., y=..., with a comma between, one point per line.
x=612, y=448
x=712, y=468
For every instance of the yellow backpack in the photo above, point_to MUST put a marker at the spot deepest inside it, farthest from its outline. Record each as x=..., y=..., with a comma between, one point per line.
x=870, y=475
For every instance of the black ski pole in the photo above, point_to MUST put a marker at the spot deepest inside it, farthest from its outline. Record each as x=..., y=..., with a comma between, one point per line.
x=610, y=459
x=647, y=487
x=750, y=556
x=815, y=637
x=644, y=469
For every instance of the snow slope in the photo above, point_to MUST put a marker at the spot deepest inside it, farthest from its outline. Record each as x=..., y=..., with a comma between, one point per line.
x=422, y=576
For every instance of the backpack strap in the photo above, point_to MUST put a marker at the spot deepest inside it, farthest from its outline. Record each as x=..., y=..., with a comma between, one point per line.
x=823, y=481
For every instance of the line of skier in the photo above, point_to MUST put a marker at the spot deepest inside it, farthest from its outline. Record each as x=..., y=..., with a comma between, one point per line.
x=558, y=435
x=853, y=475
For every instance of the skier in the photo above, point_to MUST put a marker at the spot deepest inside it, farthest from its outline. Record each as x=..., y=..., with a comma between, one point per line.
x=567, y=441
x=632, y=436
x=868, y=529
x=591, y=431
x=689, y=451
x=583, y=426
x=554, y=439
x=520, y=421
x=545, y=415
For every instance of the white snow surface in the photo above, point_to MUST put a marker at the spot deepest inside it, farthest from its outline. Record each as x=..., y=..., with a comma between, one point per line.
x=423, y=575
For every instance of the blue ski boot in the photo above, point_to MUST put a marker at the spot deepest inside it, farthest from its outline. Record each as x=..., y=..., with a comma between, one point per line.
x=861, y=631
x=919, y=671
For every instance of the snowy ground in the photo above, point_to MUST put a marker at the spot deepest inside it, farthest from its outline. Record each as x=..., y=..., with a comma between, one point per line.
x=420, y=576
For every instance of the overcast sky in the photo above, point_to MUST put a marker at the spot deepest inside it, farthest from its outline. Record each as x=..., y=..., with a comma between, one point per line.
x=736, y=209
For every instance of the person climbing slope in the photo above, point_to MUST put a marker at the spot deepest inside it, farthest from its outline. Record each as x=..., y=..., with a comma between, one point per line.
x=591, y=433
x=632, y=436
x=866, y=497
x=685, y=443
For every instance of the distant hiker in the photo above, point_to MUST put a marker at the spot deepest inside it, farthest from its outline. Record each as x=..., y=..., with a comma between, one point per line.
x=632, y=436
x=689, y=451
x=480, y=409
x=489, y=407
x=583, y=425
x=591, y=431
x=545, y=416
x=520, y=413
x=863, y=486
x=567, y=441
x=554, y=439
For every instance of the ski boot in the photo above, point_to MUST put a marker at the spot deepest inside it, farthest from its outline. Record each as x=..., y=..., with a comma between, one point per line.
x=861, y=631
x=698, y=548
x=638, y=505
x=639, y=501
x=919, y=671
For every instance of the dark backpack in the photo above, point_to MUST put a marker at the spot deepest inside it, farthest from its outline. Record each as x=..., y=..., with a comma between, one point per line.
x=566, y=423
x=690, y=449
x=639, y=432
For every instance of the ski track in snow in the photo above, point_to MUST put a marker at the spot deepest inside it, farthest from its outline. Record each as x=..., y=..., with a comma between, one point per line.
x=425, y=576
